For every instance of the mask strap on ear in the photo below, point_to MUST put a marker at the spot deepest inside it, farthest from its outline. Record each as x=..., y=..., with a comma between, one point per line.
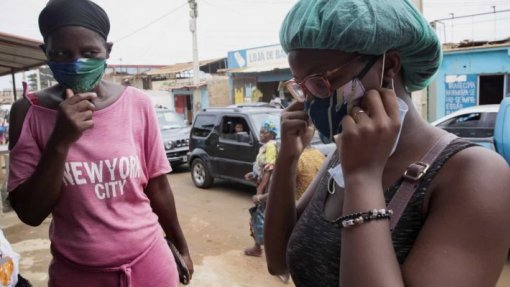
x=382, y=72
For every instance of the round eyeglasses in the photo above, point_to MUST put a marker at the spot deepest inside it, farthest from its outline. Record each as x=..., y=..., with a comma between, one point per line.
x=319, y=85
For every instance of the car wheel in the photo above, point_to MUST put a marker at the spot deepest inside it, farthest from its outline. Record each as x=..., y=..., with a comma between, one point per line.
x=200, y=174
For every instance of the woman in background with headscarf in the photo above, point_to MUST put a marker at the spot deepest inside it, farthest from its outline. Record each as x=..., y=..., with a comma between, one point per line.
x=354, y=65
x=89, y=153
x=261, y=174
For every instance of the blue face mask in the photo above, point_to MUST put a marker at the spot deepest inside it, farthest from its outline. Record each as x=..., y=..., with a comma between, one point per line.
x=81, y=75
x=327, y=113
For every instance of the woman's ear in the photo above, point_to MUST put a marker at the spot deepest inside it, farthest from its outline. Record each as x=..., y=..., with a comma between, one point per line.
x=109, y=46
x=392, y=65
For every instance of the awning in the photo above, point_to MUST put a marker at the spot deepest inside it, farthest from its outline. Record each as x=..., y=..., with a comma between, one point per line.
x=19, y=54
x=259, y=68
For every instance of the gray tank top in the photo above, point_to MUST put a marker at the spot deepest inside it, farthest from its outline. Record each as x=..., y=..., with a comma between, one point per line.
x=313, y=251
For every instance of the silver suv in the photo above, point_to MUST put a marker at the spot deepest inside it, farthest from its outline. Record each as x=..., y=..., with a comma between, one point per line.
x=175, y=135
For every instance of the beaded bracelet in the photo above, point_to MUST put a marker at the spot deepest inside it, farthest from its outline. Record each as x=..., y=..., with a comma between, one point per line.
x=362, y=217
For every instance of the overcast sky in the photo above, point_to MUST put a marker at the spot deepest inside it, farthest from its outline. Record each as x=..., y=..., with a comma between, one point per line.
x=226, y=25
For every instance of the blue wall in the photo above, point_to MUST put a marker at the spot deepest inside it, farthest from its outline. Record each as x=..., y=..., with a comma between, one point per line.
x=472, y=63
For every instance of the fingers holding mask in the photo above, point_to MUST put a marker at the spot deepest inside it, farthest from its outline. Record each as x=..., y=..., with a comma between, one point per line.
x=296, y=129
x=381, y=104
x=294, y=119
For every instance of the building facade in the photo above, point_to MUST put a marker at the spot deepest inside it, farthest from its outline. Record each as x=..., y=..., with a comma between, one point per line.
x=257, y=74
x=470, y=74
x=178, y=80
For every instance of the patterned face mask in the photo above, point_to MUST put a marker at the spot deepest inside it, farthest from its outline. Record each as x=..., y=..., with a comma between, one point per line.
x=81, y=75
x=327, y=113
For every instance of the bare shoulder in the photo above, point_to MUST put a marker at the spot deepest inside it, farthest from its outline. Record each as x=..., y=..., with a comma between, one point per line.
x=16, y=118
x=474, y=173
x=466, y=224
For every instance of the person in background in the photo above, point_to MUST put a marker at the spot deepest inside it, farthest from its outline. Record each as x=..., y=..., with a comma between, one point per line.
x=261, y=174
x=3, y=130
x=105, y=200
x=239, y=128
x=355, y=64
x=309, y=164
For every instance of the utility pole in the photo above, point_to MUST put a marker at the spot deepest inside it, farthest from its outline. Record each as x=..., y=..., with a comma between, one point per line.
x=453, y=17
x=495, y=26
x=196, y=68
x=38, y=78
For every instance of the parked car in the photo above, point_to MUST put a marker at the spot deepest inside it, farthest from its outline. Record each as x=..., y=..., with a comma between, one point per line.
x=476, y=123
x=217, y=151
x=175, y=134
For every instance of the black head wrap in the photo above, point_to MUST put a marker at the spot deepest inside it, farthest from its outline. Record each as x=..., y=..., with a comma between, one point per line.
x=83, y=13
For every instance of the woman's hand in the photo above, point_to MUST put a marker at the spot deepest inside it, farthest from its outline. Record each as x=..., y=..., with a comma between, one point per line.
x=74, y=116
x=369, y=134
x=249, y=176
x=296, y=130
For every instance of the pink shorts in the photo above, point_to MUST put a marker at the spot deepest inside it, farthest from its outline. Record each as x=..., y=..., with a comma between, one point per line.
x=155, y=268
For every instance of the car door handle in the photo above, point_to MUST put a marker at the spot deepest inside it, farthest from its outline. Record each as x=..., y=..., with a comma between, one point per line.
x=220, y=147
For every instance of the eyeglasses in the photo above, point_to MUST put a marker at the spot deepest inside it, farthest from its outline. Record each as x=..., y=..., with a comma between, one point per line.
x=319, y=85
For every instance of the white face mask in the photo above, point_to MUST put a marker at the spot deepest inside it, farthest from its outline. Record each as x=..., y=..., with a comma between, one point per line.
x=402, y=107
x=336, y=172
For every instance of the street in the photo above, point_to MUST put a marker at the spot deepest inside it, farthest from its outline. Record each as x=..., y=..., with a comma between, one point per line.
x=215, y=222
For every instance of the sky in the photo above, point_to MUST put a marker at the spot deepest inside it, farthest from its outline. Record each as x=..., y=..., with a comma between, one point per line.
x=157, y=31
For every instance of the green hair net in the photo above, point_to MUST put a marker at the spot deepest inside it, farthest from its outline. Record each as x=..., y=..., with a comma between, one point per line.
x=369, y=27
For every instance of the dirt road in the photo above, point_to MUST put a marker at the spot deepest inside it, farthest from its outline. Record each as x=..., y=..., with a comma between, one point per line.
x=215, y=222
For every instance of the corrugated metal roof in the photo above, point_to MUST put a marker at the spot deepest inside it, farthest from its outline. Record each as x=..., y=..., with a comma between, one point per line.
x=478, y=45
x=181, y=67
x=19, y=54
x=259, y=68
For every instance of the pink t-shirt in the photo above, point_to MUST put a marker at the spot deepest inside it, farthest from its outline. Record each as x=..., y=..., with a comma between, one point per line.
x=103, y=217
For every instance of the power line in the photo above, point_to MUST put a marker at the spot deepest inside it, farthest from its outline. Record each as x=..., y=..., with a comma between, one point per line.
x=467, y=16
x=150, y=23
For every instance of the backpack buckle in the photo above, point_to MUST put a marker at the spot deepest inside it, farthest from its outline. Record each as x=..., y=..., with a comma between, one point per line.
x=416, y=170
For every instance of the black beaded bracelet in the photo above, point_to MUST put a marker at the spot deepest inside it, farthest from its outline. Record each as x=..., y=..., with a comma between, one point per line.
x=362, y=217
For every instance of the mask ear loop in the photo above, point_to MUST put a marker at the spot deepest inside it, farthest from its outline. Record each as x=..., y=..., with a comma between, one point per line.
x=383, y=66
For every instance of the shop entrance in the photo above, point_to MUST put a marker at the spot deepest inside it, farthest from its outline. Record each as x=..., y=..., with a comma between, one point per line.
x=491, y=89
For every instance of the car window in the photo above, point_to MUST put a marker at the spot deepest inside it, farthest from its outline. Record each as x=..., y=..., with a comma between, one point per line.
x=169, y=120
x=471, y=125
x=203, y=125
x=259, y=118
x=235, y=129
x=489, y=120
x=467, y=120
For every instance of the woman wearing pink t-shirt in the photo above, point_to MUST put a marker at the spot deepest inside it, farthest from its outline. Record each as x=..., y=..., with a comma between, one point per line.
x=89, y=153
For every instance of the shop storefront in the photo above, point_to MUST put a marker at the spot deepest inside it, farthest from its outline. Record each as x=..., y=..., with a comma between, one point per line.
x=257, y=74
x=470, y=76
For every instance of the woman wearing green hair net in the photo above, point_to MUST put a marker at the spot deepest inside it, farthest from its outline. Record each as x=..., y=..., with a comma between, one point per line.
x=410, y=204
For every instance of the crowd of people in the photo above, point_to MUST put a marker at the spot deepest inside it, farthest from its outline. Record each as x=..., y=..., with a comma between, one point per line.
x=398, y=203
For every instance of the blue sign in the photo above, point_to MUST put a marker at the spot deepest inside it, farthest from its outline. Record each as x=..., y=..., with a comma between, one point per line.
x=460, y=92
x=237, y=59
